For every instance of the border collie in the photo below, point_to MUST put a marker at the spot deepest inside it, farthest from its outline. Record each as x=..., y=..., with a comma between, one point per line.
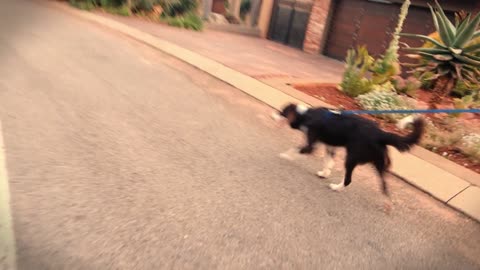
x=363, y=139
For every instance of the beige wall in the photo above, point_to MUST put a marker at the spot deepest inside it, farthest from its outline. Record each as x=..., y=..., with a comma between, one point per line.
x=235, y=7
x=264, y=17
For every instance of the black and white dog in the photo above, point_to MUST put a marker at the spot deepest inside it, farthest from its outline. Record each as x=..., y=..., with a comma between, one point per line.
x=363, y=139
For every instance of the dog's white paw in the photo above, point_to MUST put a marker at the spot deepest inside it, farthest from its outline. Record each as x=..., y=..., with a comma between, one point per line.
x=276, y=116
x=324, y=174
x=337, y=187
x=286, y=156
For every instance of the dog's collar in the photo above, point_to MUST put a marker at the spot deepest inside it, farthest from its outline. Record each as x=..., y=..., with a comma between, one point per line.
x=331, y=112
x=335, y=111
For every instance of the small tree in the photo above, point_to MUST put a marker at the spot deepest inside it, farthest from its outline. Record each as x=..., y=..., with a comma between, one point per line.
x=387, y=66
x=363, y=73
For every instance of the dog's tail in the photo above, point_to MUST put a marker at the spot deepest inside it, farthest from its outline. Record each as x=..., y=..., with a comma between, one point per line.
x=404, y=143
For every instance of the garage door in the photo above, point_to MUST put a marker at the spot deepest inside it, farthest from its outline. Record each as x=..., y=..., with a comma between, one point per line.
x=371, y=23
x=289, y=21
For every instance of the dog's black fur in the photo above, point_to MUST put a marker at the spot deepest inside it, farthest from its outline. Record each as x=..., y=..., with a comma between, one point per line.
x=363, y=139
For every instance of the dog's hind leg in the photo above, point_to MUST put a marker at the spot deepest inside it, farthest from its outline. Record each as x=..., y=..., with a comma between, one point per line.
x=350, y=165
x=291, y=154
x=381, y=167
x=329, y=162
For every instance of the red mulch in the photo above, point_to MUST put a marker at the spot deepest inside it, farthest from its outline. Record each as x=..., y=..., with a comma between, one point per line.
x=330, y=94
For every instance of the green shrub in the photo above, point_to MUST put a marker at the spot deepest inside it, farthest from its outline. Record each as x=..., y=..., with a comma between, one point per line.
x=189, y=21
x=364, y=74
x=193, y=21
x=83, y=5
x=173, y=8
x=121, y=10
x=470, y=145
x=110, y=3
x=435, y=138
x=245, y=7
x=425, y=78
x=174, y=21
x=385, y=100
x=406, y=86
x=144, y=5
x=463, y=88
x=357, y=65
x=467, y=102
x=453, y=57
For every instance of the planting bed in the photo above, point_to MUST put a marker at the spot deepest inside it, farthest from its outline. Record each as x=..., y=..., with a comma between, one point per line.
x=470, y=122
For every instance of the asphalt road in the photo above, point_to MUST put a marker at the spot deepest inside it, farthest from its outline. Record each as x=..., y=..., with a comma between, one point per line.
x=120, y=157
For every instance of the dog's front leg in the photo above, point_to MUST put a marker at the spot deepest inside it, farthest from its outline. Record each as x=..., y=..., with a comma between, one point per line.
x=329, y=162
x=311, y=138
x=293, y=153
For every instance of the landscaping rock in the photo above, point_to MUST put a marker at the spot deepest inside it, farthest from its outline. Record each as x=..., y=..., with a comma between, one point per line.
x=217, y=18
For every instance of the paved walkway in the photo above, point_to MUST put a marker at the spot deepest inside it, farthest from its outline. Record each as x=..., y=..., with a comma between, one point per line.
x=256, y=57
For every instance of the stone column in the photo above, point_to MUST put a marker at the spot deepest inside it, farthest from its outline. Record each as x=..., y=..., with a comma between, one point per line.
x=235, y=8
x=207, y=8
x=317, y=26
x=254, y=11
x=264, y=17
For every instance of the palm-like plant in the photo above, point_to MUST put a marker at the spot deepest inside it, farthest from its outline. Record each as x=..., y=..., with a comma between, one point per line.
x=450, y=59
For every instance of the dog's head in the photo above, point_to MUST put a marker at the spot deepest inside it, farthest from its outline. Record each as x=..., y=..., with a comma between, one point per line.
x=291, y=113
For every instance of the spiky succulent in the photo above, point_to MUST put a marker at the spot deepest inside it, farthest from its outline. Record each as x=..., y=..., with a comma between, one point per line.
x=454, y=54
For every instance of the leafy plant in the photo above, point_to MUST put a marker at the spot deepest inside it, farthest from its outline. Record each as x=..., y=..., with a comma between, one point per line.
x=406, y=86
x=467, y=102
x=387, y=66
x=193, y=21
x=425, y=78
x=459, y=18
x=105, y=3
x=144, y=5
x=189, y=21
x=357, y=65
x=452, y=58
x=245, y=7
x=435, y=138
x=385, y=100
x=463, y=88
x=123, y=10
x=470, y=145
x=363, y=73
x=83, y=5
x=172, y=8
x=110, y=3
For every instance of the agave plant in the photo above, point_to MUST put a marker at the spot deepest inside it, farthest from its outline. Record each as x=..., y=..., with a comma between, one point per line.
x=451, y=58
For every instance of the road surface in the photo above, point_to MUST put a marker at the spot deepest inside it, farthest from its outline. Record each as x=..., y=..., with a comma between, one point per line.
x=120, y=157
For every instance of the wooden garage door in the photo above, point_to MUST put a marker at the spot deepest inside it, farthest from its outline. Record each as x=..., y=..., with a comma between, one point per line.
x=370, y=23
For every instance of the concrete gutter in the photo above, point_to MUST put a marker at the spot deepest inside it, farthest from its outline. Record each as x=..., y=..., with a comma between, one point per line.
x=431, y=177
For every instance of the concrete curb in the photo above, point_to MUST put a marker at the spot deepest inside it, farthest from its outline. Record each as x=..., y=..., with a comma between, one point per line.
x=441, y=184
